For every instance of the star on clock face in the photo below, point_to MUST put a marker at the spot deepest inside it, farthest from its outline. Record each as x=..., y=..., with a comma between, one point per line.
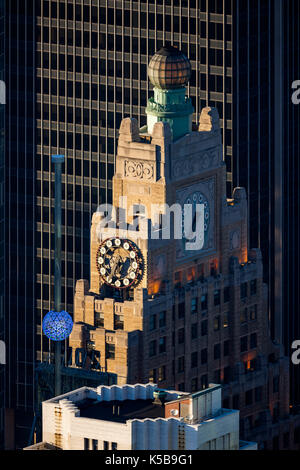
x=120, y=263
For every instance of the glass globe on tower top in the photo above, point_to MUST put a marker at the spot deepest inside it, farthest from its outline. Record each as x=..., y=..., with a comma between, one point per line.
x=169, y=69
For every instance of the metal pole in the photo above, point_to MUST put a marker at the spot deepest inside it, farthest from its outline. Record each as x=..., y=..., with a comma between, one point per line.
x=58, y=161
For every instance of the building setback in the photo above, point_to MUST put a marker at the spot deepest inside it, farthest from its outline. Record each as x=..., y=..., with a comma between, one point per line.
x=177, y=316
x=140, y=417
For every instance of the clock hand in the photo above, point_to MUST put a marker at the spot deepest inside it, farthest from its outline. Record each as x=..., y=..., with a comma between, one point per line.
x=114, y=266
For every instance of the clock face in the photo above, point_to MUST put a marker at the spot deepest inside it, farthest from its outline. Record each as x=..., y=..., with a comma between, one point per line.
x=120, y=263
x=194, y=199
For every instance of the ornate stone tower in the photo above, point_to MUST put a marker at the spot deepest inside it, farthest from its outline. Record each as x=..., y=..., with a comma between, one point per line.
x=188, y=309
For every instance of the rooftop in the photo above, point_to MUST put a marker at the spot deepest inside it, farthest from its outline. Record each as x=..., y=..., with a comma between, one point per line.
x=121, y=411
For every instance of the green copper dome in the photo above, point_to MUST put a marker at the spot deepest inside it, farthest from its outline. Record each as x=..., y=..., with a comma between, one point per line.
x=169, y=69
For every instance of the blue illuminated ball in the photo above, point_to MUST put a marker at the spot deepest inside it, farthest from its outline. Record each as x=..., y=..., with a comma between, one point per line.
x=57, y=326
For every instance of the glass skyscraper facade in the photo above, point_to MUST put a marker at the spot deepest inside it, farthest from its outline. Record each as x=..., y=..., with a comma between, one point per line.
x=2, y=218
x=289, y=176
x=20, y=180
x=74, y=69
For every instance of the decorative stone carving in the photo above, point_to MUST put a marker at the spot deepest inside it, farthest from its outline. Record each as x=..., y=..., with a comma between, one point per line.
x=138, y=169
x=170, y=107
x=191, y=166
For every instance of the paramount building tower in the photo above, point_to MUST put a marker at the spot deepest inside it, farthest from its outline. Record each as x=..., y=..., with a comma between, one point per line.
x=158, y=311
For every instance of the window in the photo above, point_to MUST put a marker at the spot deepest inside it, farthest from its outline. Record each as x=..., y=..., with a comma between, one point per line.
x=105, y=445
x=200, y=269
x=244, y=290
x=217, y=351
x=217, y=322
x=204, y=356
x=181, y=310
x=253, y=341
x=119, y=322
x=62, y=12
x=78, y=13
x=94, y=444
x=253, y=287
x=226, y=348
x=244, y=344
x=204, y=382
x=217, y=376
x=253, y=313
x=276, y=384
x=86, y=444
x=177, y=278
x=226, y=295
x=152, y=322
x=152, y=375
x=258, y=394
x=204, y=328
x=250, y=366
x=194, y=331
x=204, y=302
x=226, y=320
x=162, y=373
x=110, y=351
x=162, y=345
x=162, y=319
x=194, y=385
x=114, y=446
x=217, y=297
x=213, y=268
x=190, y=274
x=194, y=305
x=70, y=89
x=249, y=397
x=99, y=320
x=235, y=402
x=227, y=375
x=194, y=359
x=180, y=364
x=243, y=316
x=53, y=10
x=152, y=348
x=181, y=336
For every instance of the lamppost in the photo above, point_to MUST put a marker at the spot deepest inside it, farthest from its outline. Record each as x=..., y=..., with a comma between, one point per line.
x=57, y=325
